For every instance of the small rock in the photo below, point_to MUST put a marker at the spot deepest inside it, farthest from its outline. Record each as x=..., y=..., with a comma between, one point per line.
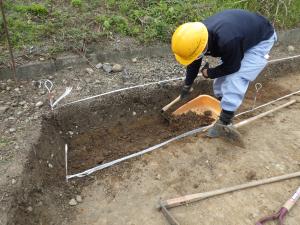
x=10, y=81
x=107, y=67
x=72, y=202
x=117, y=68
x=43, y=92
x=70, y=133
x=51, y=77
x=70, y=67
x=22, y=103
x=97, y=82
x=8, y=88
x=39, y=204
x=291, y=48
x=89, y=70
x=88, y=80
x=13, y=181
x=17, y=89
x=11, y=118
x=134, y=60
x=50, y=165
x=99, y=66
x=29, y=209
x=42, y=59
x=3, y=109
x=134, y=113
x=17, y=147
x=12, y=130
x=78, y=88
x=39, y=104
x=78, y=198
x=158, y=177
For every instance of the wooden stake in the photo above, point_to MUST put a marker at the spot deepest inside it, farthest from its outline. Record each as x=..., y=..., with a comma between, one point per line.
x=8, y=42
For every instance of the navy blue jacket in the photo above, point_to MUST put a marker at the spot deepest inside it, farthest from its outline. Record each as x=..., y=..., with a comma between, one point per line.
x=230, y=34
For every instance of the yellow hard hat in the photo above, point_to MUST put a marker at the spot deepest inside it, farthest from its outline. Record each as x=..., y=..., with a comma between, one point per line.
x=189, y=41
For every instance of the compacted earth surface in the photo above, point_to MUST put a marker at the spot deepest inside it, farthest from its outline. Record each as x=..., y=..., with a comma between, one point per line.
x=33, y=189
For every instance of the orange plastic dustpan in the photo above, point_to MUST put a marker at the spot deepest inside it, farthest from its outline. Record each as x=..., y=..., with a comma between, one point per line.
x=201, y=104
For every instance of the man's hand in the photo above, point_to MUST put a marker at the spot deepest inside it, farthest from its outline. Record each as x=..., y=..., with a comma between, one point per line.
x=204, y=70
x=186, y=90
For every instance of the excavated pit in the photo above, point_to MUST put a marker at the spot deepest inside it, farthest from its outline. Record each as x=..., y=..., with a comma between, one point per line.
x=99, y=131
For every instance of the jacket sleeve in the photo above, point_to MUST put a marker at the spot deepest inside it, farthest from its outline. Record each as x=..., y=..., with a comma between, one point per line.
x=231, y=56
x=192, y=71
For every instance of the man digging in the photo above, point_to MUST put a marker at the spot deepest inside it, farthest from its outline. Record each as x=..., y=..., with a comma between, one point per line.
x=242, y=40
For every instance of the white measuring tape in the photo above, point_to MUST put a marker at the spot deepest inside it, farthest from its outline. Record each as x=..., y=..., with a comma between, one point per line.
x=123, y=89
x=153, y=83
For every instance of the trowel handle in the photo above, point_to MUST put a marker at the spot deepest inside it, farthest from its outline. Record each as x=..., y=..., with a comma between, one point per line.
x=292, y=201
x=170, y=104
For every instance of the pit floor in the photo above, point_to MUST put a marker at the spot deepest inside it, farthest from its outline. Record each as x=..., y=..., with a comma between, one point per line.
x=196, y=164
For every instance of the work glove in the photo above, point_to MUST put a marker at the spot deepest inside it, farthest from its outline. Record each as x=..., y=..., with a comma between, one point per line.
x=206, y=66
x=186, y=90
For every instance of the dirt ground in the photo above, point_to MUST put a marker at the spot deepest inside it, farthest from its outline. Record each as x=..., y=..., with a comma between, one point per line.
x=198, y=164
x=128, y=193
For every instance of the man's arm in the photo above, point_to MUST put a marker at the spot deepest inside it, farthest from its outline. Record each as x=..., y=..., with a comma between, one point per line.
x=232, y=55
x=192, y=71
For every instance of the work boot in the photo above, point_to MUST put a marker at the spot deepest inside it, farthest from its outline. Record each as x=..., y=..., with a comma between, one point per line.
x=219, y=129
x=223, y=128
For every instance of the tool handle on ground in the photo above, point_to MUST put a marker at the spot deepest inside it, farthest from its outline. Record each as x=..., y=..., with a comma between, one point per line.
x=168, y=215
x=244, y=122
x=292, y=201
x=171, y=103
x=200, y=196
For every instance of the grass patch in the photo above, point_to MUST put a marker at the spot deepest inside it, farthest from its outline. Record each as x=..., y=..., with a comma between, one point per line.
x=60, y=25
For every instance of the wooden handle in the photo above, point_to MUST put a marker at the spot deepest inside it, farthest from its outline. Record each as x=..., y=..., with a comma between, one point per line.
x=170, y=104
x=244, y=122
x=200, y=196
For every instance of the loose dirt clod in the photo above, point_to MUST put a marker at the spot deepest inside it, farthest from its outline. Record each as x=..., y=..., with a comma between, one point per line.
x=191, y=120
x=251, y=175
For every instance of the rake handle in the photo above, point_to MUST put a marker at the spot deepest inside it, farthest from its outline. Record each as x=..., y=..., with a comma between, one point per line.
x=292, y=201
x=200, y=196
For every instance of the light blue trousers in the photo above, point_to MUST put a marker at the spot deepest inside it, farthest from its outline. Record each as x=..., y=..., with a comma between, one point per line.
x=233, y=87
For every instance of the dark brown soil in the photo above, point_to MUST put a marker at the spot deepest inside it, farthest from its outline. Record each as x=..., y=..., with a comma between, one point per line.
x=191, y=120
x=105, y=143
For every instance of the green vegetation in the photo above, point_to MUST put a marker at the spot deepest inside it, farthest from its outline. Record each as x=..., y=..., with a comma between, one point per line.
x=61, y=25
x=76, y=3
